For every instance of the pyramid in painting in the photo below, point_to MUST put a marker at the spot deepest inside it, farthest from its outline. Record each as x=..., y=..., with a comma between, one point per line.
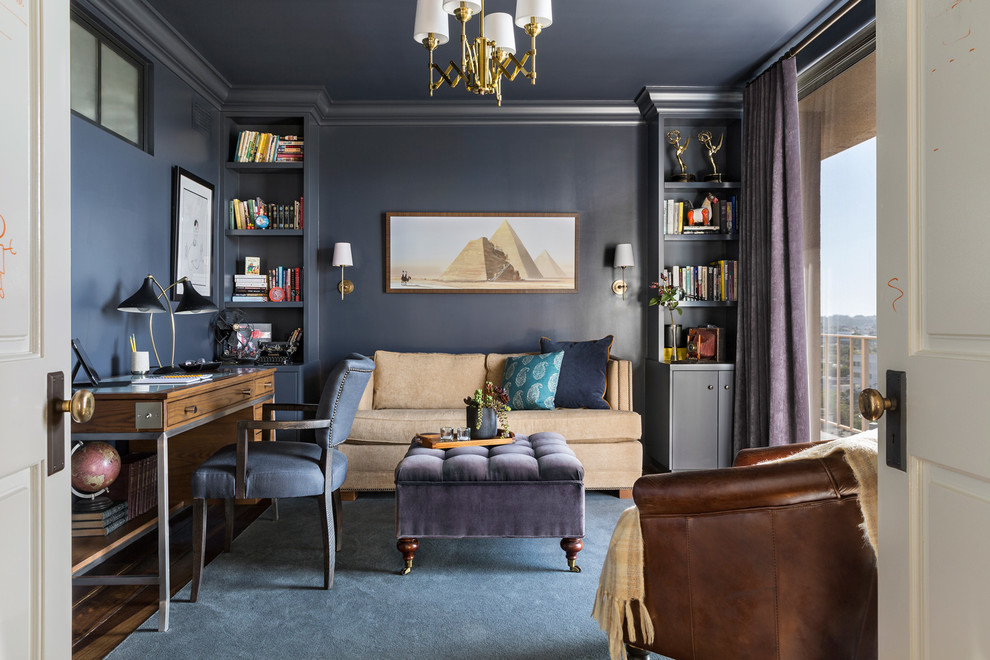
x=548, y=266
x=506, y=239
x=480, y=261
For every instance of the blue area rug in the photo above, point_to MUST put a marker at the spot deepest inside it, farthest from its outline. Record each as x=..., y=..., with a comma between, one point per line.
x=470, y=598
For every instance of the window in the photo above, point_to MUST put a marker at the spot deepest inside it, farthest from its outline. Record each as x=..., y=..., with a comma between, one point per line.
x=838, y=153
x=108, y=82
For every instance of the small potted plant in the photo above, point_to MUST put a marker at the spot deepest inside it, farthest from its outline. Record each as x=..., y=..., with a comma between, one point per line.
x=486, y=412
x=669, y=297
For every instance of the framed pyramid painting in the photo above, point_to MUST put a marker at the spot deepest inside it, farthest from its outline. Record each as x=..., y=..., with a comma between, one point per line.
x=481, y=252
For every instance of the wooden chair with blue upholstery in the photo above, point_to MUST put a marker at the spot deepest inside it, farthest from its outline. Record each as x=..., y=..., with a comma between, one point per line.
x=274, y=468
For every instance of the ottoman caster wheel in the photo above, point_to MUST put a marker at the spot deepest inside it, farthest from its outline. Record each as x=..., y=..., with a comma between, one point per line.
x=408, y=547
x=571, y=546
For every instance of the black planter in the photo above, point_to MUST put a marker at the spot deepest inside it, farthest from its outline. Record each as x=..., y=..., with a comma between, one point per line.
x=488, y=428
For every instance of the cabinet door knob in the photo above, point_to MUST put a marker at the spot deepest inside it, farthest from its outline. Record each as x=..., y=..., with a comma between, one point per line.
x=711, y=387
x=726, y=386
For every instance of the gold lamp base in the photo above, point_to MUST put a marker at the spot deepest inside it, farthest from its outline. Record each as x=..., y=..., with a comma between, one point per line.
x=345, y=287
x=619, y=288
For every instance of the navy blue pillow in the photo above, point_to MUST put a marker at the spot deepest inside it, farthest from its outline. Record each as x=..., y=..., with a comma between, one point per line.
x=582, y=374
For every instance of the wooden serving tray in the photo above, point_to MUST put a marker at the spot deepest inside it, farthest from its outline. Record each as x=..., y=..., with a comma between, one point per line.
x=432, y=441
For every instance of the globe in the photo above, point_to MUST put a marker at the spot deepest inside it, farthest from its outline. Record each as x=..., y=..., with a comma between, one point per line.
x=95, y=465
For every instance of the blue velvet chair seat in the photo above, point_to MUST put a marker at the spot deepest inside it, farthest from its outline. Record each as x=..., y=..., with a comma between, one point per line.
x=283, y=469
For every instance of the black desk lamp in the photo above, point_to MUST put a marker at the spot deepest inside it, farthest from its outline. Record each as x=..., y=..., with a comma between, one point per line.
x=147, y=301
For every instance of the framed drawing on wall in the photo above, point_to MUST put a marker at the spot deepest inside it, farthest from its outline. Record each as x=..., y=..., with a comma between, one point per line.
x=192, y=232
x=481, y=252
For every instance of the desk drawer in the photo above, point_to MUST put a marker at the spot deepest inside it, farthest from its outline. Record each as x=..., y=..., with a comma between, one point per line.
x=182, y=411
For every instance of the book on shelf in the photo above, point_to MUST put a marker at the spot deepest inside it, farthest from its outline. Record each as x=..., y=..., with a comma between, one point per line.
x=243, y=214
x=100, y=516
x=137, y=483
x=99, y=531
x=258, y=147
x=680, y=217
x=102, y=522
x=252, y=265
x=712, y=282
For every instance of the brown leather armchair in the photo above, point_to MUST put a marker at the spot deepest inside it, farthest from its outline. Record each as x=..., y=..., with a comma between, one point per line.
x=758, y=561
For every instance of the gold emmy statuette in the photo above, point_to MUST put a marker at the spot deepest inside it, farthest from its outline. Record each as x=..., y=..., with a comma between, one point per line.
x=705, y=138
x=674, y=138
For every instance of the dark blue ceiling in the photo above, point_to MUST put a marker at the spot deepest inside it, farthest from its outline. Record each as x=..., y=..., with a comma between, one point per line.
x=362, y=50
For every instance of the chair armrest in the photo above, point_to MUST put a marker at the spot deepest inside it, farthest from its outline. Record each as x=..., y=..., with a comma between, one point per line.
x=761, y=454
x=734, y=489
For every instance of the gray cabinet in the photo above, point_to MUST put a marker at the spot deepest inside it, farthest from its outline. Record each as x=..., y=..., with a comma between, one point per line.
x=690, y=415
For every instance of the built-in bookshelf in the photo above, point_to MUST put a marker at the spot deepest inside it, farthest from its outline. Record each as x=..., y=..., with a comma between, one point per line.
x=689, y=419
x=268, y=190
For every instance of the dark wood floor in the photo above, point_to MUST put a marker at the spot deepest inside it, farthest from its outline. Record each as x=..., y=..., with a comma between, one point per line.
x=103, y=616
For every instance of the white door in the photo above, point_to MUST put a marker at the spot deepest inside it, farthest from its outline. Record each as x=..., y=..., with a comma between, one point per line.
x=35, y=544
x=933, y=230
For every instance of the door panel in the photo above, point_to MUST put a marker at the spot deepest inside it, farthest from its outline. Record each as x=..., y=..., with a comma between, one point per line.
x=35, y=611
x=933, y=323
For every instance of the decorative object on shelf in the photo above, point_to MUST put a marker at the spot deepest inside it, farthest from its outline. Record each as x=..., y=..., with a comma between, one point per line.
x=516, y=252
x=486, y=412
x=147, y=301
x=487, y=59
x=674, y=138
x=276, y=294
x=192, y=232
x=95, y=465
x=623, y=259
x=342, y=257
x=705, y=138
x=705, y=344
x=669, y=297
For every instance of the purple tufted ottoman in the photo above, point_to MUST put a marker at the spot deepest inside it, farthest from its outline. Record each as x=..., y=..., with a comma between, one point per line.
x=532, y=488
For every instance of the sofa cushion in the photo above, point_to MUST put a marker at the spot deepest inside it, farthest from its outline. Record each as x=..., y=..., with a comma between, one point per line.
x=531, y=380
x=582, y=374
x=426, y=380
x=495, y=364
x=579, y=426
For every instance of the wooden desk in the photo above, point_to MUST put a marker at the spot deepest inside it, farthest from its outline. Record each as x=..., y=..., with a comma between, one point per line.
x=154, y=413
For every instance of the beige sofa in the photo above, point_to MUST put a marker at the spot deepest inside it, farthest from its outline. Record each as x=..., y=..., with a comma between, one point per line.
x=412, y=393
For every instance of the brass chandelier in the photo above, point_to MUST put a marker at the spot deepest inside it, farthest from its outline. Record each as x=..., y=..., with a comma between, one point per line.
x=489, y=57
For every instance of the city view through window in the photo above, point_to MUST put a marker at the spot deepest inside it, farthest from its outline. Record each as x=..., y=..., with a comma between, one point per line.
x=848, y=286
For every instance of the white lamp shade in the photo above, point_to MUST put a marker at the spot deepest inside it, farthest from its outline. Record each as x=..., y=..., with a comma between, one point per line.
x=498, y=28
x=342, y=254
x=450, y=6
x=624, y=256
x=430, y=19
x=528, y=10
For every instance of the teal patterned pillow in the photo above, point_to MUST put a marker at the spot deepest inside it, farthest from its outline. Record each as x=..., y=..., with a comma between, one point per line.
x=531, y=380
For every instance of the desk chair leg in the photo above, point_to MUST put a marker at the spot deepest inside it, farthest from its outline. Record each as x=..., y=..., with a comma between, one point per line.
x=199, y=545
x=336, y=519
x=329, y=544
x=274, y=509
x=228, y=524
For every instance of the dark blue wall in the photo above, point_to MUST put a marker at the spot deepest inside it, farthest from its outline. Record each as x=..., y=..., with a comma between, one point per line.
x=121, y=228
x=365, y=171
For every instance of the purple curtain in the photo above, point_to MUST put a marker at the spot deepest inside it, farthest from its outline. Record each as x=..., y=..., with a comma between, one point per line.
x=771, y=399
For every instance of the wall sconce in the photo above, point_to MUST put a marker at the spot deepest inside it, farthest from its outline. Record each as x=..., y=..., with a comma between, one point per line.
x=623, y=260
x=148, y=301
x=342, y=257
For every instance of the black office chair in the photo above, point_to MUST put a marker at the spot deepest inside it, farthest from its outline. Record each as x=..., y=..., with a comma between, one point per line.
x=276, y=468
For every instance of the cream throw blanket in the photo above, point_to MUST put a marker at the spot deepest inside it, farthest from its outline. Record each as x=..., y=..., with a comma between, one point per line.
x=621, y=586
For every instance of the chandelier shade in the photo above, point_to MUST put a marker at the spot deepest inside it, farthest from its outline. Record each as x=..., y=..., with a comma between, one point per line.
x=533, y=11
x=498, y=28
x=431, y=21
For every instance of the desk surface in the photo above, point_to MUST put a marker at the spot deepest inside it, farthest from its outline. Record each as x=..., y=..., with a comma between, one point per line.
x=124, y=385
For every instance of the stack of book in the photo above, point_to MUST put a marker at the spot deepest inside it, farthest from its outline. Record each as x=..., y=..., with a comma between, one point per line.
x=289, y=150
x=715, y=282
x=137, y=483
x=255, y=147
x=99, y=523
x=722, y=217
x=250, y=288
x=289, y=280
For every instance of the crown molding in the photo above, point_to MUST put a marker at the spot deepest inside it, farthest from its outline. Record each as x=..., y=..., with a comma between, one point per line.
x=686, y=101
x=149, y=30
x=290, y=100
x=456, y=113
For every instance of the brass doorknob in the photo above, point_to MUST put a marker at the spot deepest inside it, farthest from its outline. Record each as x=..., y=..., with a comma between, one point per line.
x=872, y=404
x=81, y=406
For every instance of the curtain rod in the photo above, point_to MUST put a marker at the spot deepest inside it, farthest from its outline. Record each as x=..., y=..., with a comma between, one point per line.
x=820, y=29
